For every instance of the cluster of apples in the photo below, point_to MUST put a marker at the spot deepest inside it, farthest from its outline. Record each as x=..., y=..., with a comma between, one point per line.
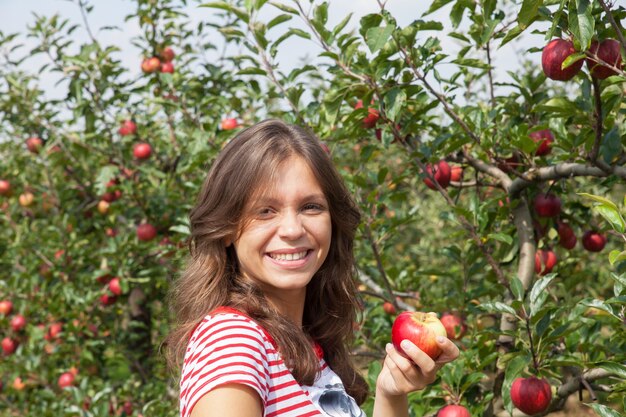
x=17, y=323
x=548, y=205
x=603, y=59
x=161, y=63
x=141, y=150
x=112, y=289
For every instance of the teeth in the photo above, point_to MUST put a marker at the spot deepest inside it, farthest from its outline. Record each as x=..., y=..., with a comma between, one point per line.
x=288, y=256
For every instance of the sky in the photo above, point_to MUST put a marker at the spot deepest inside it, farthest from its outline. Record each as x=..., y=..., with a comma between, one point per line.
x=18, y=15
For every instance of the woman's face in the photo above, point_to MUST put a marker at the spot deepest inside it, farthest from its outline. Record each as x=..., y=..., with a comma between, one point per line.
x=287, y=234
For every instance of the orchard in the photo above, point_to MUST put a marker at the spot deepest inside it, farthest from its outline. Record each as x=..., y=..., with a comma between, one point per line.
x=493, y=198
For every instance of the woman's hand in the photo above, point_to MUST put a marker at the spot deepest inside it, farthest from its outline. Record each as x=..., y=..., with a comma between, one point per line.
x=400, y=375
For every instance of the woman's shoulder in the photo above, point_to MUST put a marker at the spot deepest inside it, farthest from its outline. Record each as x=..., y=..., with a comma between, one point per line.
x=229, y=321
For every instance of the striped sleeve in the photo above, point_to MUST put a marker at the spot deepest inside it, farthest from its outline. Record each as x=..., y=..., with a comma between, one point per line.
x=224, y=349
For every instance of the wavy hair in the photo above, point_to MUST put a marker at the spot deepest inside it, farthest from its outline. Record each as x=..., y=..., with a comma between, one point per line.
x=211, y=277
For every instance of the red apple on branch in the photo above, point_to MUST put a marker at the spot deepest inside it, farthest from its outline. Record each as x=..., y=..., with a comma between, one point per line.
x=441, y=172
x=531, y=395
x=142, y=151
x=607, y=51
x=371, y=119
x=150, y=65
x=389, y=308
x=18, y=322
x=127, y=128
x=26, y=199
x=115, y=287
x=5, y=187
x=420, y=328
x=453, y=410
x=567, y=238
x=66, y=380
x=167, y=54
x=167, y=67
x=454, y=324
x=594, y=241
x=229, y=124
x=544, y=138
x=9, y=345
x=456, y=173
x=34, y=144
x=545, y=261
x=107, y=299
x=547, y=205
x=553, y=56
x=6, y=307
x=146, y=232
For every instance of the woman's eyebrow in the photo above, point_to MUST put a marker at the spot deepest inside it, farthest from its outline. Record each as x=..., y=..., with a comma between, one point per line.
x=263, y=200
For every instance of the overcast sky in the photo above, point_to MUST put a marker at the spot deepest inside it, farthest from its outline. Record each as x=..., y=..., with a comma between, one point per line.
x=18, y=14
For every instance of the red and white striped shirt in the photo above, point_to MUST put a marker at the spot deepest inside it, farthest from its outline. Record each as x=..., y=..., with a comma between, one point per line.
x=228, y=347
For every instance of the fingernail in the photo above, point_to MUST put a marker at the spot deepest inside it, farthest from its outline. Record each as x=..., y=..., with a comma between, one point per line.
x=405, y=344
x=441, y=339
x=388, y=347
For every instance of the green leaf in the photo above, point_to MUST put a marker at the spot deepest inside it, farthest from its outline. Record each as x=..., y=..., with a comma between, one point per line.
x=581, y=22
x=538, y=293
x=285, y=8
x=241, y=14
x=499, y=307
x=558, y=106
x=517, y=288
x=436, y=5
x=604, y=411
x=320, y=14
x=612, y=216
x=620, y=279
x=106, y=174
x=599, y=199
x=512, y=34
x=572, y=59
x=471, y=62
x=501, y=237
x=281, y=18
x=529, y=12
x=251, y=71
x=614, y=368
x=377, y=37
x=394, y=102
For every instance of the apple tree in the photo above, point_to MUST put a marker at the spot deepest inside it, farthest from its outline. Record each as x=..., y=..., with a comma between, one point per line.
x=489, y=202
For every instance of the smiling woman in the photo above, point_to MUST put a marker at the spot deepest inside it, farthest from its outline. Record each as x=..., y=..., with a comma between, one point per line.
x=266, y=305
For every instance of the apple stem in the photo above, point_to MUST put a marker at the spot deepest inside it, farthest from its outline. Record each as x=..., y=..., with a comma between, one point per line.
x=530, y=339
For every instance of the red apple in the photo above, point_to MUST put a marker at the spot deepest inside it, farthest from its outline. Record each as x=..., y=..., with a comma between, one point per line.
x=456, y=173
x=34, y=144
x=544, y=138
x=567, y=238
x=9, y=345
x=371, y=119
x=167, y=67
x=54, y=330
x=442, y=173
x=142, y=151
x=167, y=54
x=146, y=232
x=107, y=299
x=547, y=205
x=115, y=287
x=5, y=187
x=110, y=232
x=420, y=328
x=127, y=128
x=18, y=322
x=18, y=385
x=545, y=261
x=553, y=56
x=66, y=380
x=229, y=124
x=150, y=65
x=389, y=308
x=607, y=51
x=26, y=199
x=593, y=241
x=531, y=395
x=454, y=324
x=6, y=307
x=453, y=410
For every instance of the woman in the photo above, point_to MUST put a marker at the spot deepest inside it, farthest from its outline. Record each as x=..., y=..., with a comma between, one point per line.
x=266, y=305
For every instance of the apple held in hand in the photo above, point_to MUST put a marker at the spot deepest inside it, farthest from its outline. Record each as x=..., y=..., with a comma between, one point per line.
x=553, y=56
x=453, y=410
x=531, y=395
x=421, y=329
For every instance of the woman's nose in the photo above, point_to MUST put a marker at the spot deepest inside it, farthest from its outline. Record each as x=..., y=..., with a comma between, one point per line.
x=291, y=226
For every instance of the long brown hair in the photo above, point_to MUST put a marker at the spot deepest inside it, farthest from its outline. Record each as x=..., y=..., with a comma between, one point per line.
x=211, y=277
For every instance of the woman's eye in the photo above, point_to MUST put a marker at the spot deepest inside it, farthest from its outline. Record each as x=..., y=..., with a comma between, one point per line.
x=313, y=207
